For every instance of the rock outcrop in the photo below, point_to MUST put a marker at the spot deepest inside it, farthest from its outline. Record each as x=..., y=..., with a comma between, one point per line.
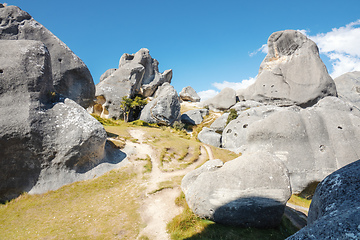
x=164, y=109
x=348, y=87
x=312, y=142
x=223, y=101
x=220, y=123
x=194, y=117
x=291, y=73
x=137, y=74
x=210, y=136
x=71, y=77
x=42, y=133
x=249, y=191
x=334, y=212
x=189, y=94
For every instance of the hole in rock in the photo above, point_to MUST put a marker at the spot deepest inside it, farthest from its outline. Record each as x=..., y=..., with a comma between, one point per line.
x=339, y=127
x=322, y=148
x=229, y=131
x=59, y=59
x=245, y=125
x=1, y=71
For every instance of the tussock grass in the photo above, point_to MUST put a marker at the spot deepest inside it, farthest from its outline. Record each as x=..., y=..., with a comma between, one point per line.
x=102, y=208
x=224, y=154
x=188, y=226
x=299, y=201
x=148, y=164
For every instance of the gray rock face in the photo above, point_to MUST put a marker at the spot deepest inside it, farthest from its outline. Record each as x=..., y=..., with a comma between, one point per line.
x=334, y=212
x=189, y=94
x=164, y=109
x=194, y=117
x=209, y=136
x=220, y=123
x=40, y=130
x=348, y=87
x=71, y=77
x=245, y=105
x=291, y=73
x=249, y=191
x=223, y=101
x=137, y=74
x=312, y=142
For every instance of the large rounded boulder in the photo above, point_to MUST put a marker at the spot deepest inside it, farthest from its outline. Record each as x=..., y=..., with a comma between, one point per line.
x=249, y=191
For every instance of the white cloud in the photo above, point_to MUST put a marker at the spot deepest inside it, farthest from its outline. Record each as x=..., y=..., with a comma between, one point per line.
x=263, y=49
x=235, y=85
x=204, y=95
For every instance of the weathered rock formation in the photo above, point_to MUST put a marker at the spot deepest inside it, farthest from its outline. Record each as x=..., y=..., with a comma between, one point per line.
x=250, y=191
x=348, y=87
x=334, y=212
x=220, y=123
x=210, y=136
x=223, y=101
x=291, y=73
x=189, y=94
x=312, y=142
x=194, y=117
x=137, y=74
x=42, y=133
x=71, y=77
x=164, y=109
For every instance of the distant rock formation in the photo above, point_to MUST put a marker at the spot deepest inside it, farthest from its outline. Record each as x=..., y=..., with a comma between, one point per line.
x=194, y=117
x=71, y=77
x=291, y=73
x=137, y=74
x=189, y=94
x=334, y=211
x=250, y=191
x=348, y=87
x=222, y=101
x=46, y=140
x=164, y=109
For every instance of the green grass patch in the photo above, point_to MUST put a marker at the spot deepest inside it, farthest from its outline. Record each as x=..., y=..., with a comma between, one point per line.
x=102, y=208
x=299, y=201
x=224, y=154
x=148, y=165
x=188, y=226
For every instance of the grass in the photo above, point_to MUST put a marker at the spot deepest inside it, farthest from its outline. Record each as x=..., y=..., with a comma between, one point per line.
x=148, y=164
x=223, y=154
x=188, y=226
x=297, y=200
x=102, y=208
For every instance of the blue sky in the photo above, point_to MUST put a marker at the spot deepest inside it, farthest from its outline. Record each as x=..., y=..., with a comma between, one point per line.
x=208, y=44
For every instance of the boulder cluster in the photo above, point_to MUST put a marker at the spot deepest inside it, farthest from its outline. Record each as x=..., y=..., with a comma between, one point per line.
x=291, y=116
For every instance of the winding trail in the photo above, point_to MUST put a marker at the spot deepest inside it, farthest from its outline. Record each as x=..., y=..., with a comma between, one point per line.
x=158, y=207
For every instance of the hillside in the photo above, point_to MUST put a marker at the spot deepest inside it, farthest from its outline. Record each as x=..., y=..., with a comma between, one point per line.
x=136, y=201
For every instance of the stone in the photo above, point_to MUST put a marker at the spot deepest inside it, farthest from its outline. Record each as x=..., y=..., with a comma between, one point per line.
x=209, y=136
x=71, y=77
x=249, y=191
x=138, y=74
x=222, y=101
x=164, y=109
x=194, y=117
x=348, y=87
x=292, y=73
x=189, y=94
x=220, y=123
x=312, y=142
x=107, y=73
x=334, y=211
x=245, y=105
x=41, y=131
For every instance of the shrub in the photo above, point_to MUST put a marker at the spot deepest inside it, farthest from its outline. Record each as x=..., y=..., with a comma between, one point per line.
x=232, y=116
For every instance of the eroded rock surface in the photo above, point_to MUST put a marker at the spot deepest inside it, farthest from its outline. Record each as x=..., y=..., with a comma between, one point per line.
x=223, y=101
x=249, y=191
x=334, y=212
x=164, y=109
x=189, y=94
x=348, y=87
x=42, y=132
x=71, y=77
x=291, y=73
x=194, y=117
x=210, y=136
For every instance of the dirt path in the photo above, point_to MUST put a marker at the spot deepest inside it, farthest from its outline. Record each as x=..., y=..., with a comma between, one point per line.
x=159, y=208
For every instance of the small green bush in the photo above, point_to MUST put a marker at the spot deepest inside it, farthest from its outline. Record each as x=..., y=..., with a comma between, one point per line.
x=232, y=116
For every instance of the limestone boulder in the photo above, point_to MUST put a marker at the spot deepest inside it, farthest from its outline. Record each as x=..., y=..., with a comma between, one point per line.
x=138, y=74
x=245, y=105
x=71, y=77
x=291, y=73
x=194, y=117
x=249, y=191
x=189, y=94
x=210, y=136
x=334, y=211
x=41, y=131
x=312, y=142
x=348, y=87
x=220, y=123
x=164, y=109
x=222, y=101
x=107, y=73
